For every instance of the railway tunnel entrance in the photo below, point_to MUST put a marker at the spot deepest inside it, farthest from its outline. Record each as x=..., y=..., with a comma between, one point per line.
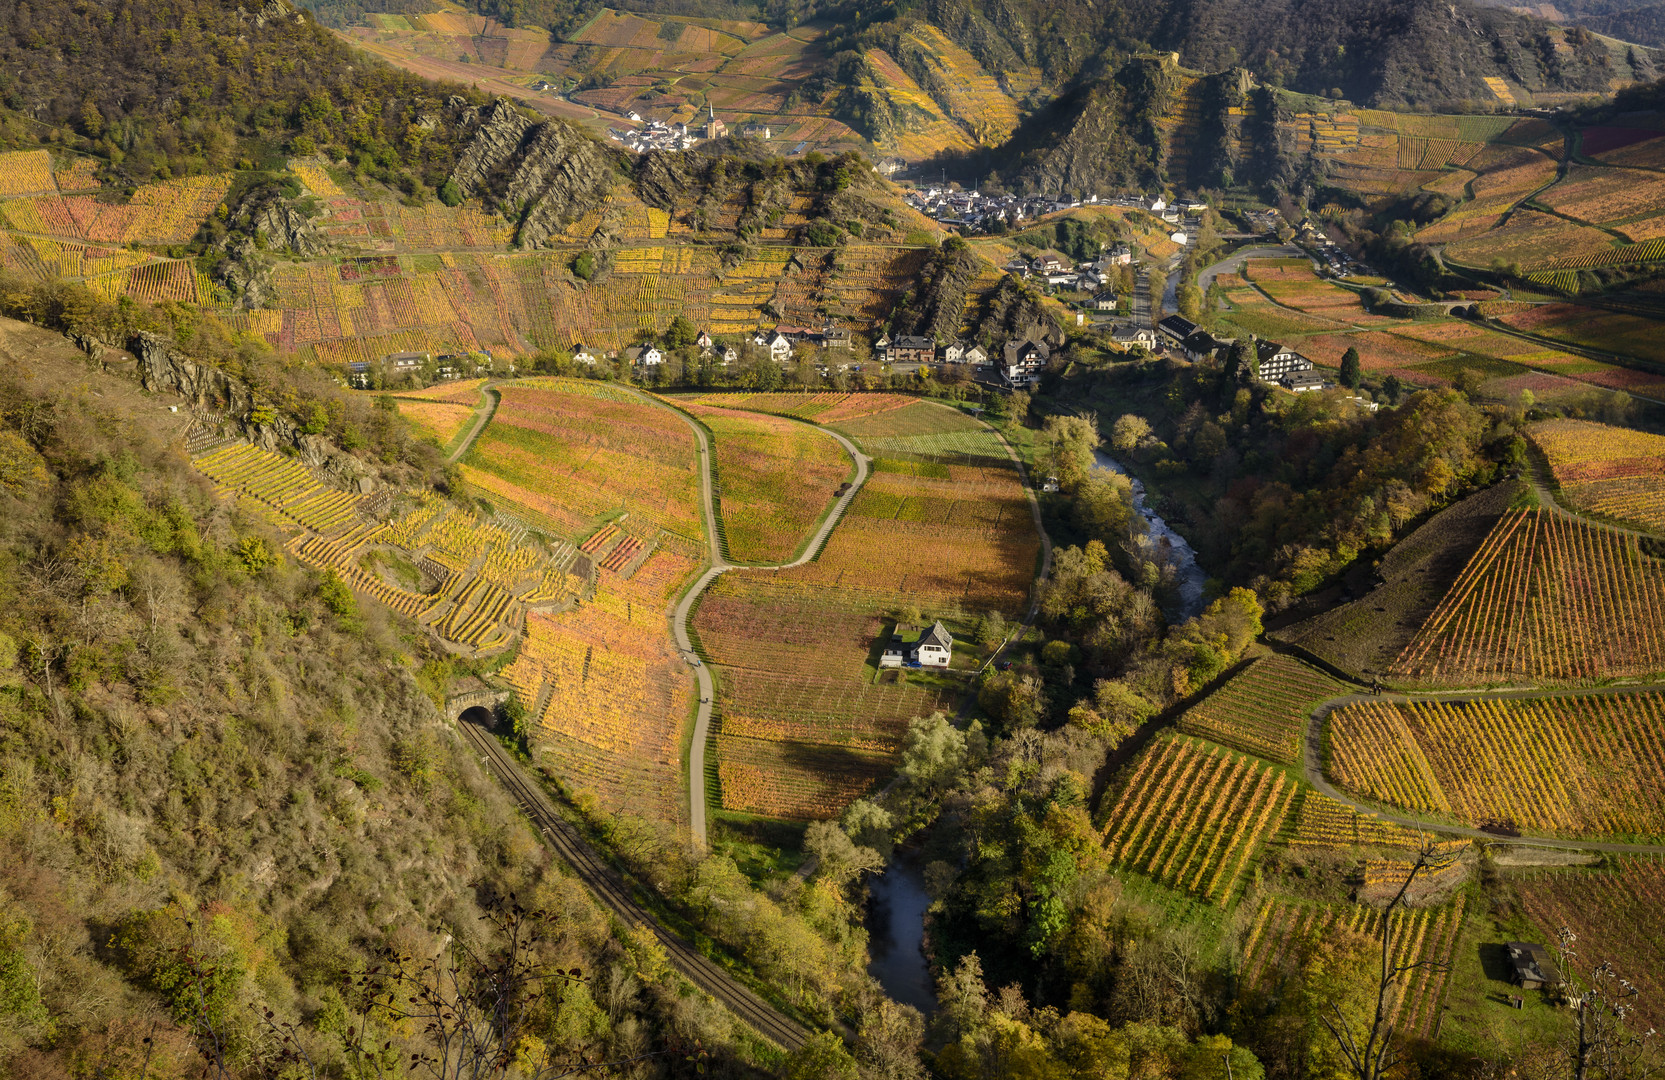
x=478, y=714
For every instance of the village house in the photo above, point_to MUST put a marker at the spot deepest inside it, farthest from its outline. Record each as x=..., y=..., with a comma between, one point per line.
x=1128, y=335
x=1120, y=255
x=756, y=131
x=890, y=166
x=1276, y=361
x=834, y=337
x=1024, y=360
x=584, y=356
x=909, y=645
x=1301, y=382
x=911, y=349
x=1201, y=345
x=779, y=346
x=730, y=355
x=953, y=352
x=975, y=355
x=703, y=342
x=644, y=355
x=1050, y=262
x=1104, y=300
x=404, y=363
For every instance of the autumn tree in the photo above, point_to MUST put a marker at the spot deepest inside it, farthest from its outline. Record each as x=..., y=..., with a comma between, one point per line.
x=1366, y=1043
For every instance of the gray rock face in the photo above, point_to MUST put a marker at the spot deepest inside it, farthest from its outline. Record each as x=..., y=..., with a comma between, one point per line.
x=247, y=274
x=498, y=138
x=548, y=173
x=164, y=369
x=286, y=227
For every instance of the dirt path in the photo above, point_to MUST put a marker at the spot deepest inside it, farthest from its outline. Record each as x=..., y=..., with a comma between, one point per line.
x=1312, y=766
x=614, y=894
x=490, y=398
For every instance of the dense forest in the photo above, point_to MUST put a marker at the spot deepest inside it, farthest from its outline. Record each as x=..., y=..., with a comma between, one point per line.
x=191, y=86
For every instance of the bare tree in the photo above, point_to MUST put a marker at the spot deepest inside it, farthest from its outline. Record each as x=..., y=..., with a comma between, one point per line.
x=1371, y=1053
x=1600, y=1045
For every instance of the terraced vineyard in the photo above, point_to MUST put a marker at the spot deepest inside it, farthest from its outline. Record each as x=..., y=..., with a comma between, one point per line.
x=775, y=479
x=608, y=692
x=1287, y=933
x=281, y=483
x=1193, y=816
x=470, y=580
x=1566, y=766
x=1263, y=710
x=1547, y=599
x=1615, y=472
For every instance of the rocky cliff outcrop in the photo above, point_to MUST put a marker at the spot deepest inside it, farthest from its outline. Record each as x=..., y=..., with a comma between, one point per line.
x=1013, y=311
x=264, y=218
x=164, y=369
x=545, y=174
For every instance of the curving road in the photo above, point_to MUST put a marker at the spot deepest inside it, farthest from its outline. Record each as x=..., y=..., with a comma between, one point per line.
x=1312, y=767
x=615, y=895
x=720, y=565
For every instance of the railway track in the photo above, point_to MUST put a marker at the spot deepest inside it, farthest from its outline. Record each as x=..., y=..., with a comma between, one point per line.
x=610, y=890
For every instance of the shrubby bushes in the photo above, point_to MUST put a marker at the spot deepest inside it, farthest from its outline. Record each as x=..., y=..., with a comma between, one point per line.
x=220, y=784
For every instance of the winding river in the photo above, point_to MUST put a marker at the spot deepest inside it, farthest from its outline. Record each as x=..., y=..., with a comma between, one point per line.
x=897, y=897
x=1191, y=576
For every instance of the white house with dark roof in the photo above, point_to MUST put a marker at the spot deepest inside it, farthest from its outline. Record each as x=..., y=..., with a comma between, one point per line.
x=933, y=647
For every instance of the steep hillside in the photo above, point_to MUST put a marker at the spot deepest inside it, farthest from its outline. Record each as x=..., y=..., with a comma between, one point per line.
x=223, y=783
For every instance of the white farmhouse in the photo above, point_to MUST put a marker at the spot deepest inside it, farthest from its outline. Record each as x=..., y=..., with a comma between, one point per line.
x=933, y=648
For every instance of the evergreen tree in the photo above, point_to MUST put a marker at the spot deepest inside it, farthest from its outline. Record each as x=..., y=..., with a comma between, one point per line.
x=1350, y=373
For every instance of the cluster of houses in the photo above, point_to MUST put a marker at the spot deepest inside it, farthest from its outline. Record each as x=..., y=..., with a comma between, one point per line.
x=422, y=367
x=1057, y=270
x=659, y=135
x=974, y=211
x=1276, y=363
x=1018, y=363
